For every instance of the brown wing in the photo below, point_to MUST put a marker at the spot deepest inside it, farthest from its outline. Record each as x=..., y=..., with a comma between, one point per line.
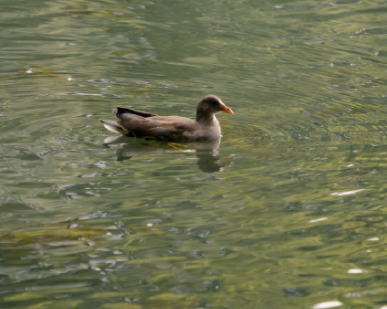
x=170, y=128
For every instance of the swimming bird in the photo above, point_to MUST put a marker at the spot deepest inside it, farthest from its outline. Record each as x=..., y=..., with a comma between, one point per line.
x=146, y=125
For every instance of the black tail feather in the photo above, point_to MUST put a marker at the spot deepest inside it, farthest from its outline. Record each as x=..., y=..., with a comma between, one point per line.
x=121, y=111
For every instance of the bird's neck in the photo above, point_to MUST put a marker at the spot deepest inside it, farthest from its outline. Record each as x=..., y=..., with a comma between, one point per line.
x=203, y=117
x=206, y=119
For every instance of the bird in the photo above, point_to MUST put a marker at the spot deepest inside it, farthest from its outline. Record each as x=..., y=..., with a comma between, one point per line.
x=205, y=127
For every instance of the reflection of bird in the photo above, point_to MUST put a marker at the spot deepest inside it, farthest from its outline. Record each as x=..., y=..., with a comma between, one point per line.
x=206, y=152
x=171, y=128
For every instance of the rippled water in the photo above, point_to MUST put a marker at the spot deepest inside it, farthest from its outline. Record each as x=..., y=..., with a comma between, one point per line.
x=288, y=212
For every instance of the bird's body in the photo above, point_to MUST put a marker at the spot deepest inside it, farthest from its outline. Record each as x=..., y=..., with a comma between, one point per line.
x=140, y=124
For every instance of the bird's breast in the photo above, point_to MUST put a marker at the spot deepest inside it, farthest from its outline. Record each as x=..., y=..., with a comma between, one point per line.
x=208, y=131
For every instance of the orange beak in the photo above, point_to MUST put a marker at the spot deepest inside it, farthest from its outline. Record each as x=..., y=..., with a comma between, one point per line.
x=226, y=109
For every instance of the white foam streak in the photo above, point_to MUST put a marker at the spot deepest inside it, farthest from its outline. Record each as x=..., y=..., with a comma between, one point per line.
x=346, y=193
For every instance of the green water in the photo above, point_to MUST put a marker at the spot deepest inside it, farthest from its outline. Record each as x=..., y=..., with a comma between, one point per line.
x=288, y=212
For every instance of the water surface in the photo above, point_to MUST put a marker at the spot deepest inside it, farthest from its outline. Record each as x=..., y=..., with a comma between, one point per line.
x=288, y=212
